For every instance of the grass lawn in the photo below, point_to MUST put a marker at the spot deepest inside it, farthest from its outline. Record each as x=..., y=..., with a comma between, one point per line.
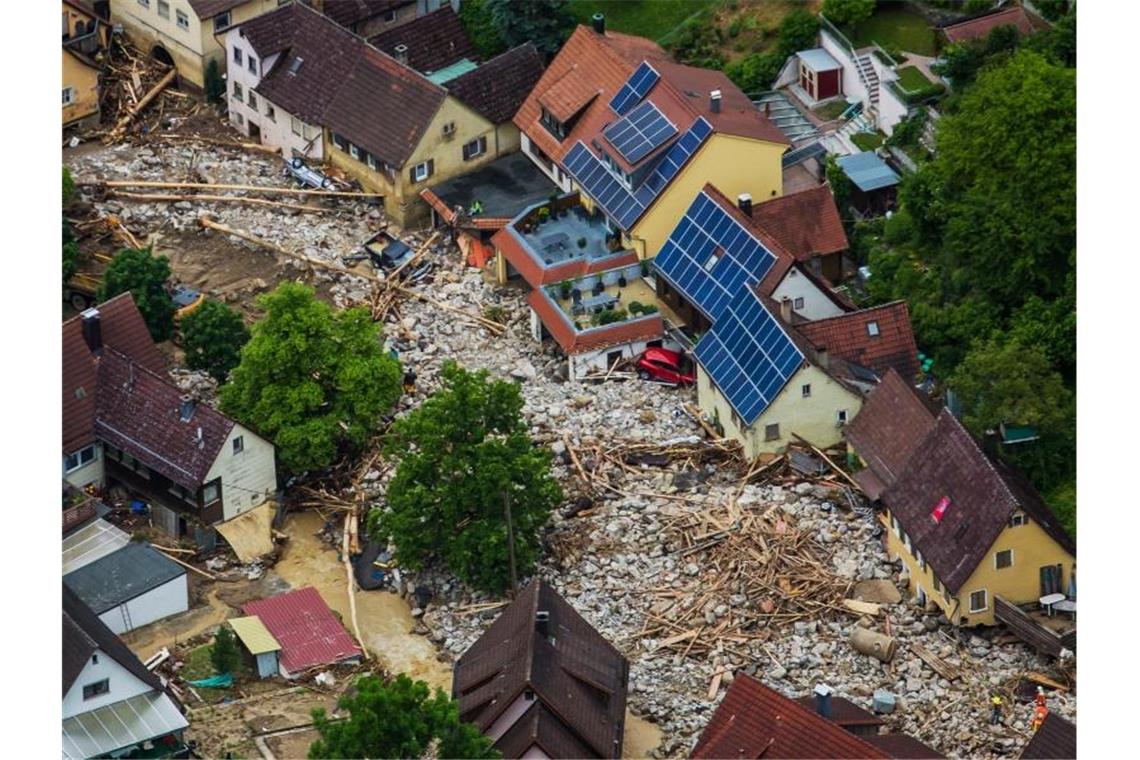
x=867, y=140
x=897, y=26
x=832, y=110
x=645, y=18
x=912, y=79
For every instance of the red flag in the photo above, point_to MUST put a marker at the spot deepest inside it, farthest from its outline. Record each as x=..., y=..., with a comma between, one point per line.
x=940, y=509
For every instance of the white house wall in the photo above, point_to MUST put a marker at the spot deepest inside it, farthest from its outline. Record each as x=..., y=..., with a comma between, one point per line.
x=852, y=84
x=559, y=177
x=891, y=110
x=168, y=599
x=816, y=303
x=249, y=477
x=123, y=685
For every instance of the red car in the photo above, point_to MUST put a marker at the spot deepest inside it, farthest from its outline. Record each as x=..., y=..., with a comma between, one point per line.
x=665, y=366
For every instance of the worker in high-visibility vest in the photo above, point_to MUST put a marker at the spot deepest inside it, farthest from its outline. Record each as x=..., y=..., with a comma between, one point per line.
x=1039, y=700
x=1039, y=713
x=995, y=709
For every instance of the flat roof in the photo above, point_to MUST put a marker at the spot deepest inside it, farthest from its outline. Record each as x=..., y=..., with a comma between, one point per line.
x=121, y=724
x=455, y=70
x=121, y=576
x=505, y=187
x=254, y=634
x=868, y=171
x=92, y=542
x=818, y=59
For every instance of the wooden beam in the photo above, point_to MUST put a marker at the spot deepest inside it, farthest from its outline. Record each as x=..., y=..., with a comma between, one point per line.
x=827, y=459
x=117, y=131
x=169, y=198
x=222, y=186
x=211, y=576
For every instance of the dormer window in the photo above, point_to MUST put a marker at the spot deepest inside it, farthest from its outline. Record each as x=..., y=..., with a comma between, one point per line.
x=1017, y=519
x=553, y=125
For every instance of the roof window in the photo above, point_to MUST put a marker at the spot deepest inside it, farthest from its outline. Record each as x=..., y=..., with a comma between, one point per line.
x=872, y=328
x=296, y=65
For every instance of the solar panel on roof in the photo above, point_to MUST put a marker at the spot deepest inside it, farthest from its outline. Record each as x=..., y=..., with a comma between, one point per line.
x=634, y=89
x=705, y=229
x=748, y=355
x=640, y=132
x=676, y=157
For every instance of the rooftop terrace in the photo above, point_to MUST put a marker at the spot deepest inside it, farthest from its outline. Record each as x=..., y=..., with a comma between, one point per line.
x=504, y=188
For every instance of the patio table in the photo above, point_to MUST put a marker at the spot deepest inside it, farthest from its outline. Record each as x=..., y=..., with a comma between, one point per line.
x=602, y=301
x=556, y=241
x=1066, y=605
x=1049, y=600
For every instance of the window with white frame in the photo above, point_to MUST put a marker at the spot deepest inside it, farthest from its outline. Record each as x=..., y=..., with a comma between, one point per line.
x=978, y=601
x=182, y=20
x=805, y=390
x=295, y=124
x=921, y=561
x=841, y=417
x=421, y=171
x=239, y=444
x=84, y=456
x=68, y=96
x=354, y=151
x=895, y=526
x=476, y=147
x=163, y=9
x=798, y=303
x=237, y=56
x=1003, y=559
x=252, y=100
x=221, y=22
x=252, y=64
x=238, y=94
x=92, y=690
x=872, y=329
x=144, y=3
x=371, y=161
x=1017, y=519
x=210, y=493
x=389, y=17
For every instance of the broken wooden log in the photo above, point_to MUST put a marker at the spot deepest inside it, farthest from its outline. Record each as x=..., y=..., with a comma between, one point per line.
x=256, y=147
x=134, y=111
x=212, y=186
x=167, y=198
x=863, y=608
x=874, y=644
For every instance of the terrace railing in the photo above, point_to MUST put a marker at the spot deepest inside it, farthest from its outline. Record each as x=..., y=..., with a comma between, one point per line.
x=825, y=25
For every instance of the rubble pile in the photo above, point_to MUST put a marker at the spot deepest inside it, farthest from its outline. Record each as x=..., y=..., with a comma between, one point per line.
x=196, y=383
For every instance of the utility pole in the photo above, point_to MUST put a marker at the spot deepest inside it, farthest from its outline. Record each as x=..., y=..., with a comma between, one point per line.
x=510, y=540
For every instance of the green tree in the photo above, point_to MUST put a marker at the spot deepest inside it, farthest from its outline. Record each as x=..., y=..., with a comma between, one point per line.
x=754, y=73
x=797, y=32
x=144, y=275
x=848, y=12
x=224, y=654
x=397, y=719
x=214, y=84
x=546, y=23
x=481, y=29
x=313, y=381
x=68, y=187
x=1058, y=43
x=70, y=253
x=213, y=336
x=1052, y=9
x=460, y=456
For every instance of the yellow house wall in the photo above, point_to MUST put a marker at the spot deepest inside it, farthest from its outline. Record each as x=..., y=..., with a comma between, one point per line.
x=733, y=164
x=1019, y=584
x=190, y=48
x=401, y=195
x=85, y=81
x=814, y=417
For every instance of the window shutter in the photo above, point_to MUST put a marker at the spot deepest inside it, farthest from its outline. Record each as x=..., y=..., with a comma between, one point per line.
x=431, y=166
x=412, y=175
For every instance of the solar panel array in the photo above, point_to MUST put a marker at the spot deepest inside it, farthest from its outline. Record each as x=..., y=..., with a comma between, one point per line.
x=634, y=89
x=615, y=199
x=642, y=131
x=710, y=257
x=748, y=355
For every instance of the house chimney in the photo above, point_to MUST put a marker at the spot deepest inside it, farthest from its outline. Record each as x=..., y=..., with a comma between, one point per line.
x=990, y=443
x=186, y=408
x=599, y=22
x=92, y=330
x=823, y=700
x=201, y=440
x=402, y=53
x=542, y=623
x=744, y=201
x=786, y=310
x=714, y=101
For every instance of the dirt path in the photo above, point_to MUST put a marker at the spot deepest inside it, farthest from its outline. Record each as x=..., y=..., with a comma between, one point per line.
x=149, y=639
x=641, y=736
x=385, y=619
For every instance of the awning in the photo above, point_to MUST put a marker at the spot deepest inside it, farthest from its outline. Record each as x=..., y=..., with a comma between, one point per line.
x=120, y=725
x=249, y=533
x=91, y=542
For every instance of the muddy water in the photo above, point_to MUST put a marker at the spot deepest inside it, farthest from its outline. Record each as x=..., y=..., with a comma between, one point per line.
x=385, y=619
x=641, y=736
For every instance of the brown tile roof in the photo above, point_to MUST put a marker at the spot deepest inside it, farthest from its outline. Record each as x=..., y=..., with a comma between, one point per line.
x=894, y=420
x=205, y=9
x=435, y=41
x=1056, y=739
x=596, y=63
x=84, y=634
x=755, y=721
x=384, y=107
x=568, y=95
x=326, y=51
x=137, y=410
x=806, y=223
x=123, y=329
x=577, y=676
x=977, y=28
x=349, y=12
x=844, y=712
x=847, y=336
x=950, y=464
x=498, y=87
x=577, y=342
x=737, y=115
x=903, y=747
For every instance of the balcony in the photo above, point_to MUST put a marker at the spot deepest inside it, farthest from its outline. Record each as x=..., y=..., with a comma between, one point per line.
x=609, y=297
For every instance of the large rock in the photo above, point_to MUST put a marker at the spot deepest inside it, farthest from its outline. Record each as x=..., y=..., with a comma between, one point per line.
x=881, y=591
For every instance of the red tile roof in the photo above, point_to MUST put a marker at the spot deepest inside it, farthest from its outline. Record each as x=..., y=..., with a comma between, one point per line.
x=807, y=223
x=894, y=420
x=575, y=341
x=737, y=116
x=434, y=41
x=309, y=633
x=754, y=721
x=977, y=28
x=498, y=87
x=848, y=337
x=138, y=411
x=591, y=63
x=578, y=678
x=122, y=328
x=982, y=495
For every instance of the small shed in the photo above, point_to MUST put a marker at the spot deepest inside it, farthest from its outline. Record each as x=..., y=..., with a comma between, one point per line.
x=820, y=75
x=875, y=183
x=131, y=587
x=310, y=635
x=259, y=642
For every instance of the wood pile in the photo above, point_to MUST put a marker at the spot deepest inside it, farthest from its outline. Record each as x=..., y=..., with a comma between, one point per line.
x=133, y=81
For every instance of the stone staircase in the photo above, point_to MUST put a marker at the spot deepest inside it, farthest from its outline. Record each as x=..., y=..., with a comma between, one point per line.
x=869, y=79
